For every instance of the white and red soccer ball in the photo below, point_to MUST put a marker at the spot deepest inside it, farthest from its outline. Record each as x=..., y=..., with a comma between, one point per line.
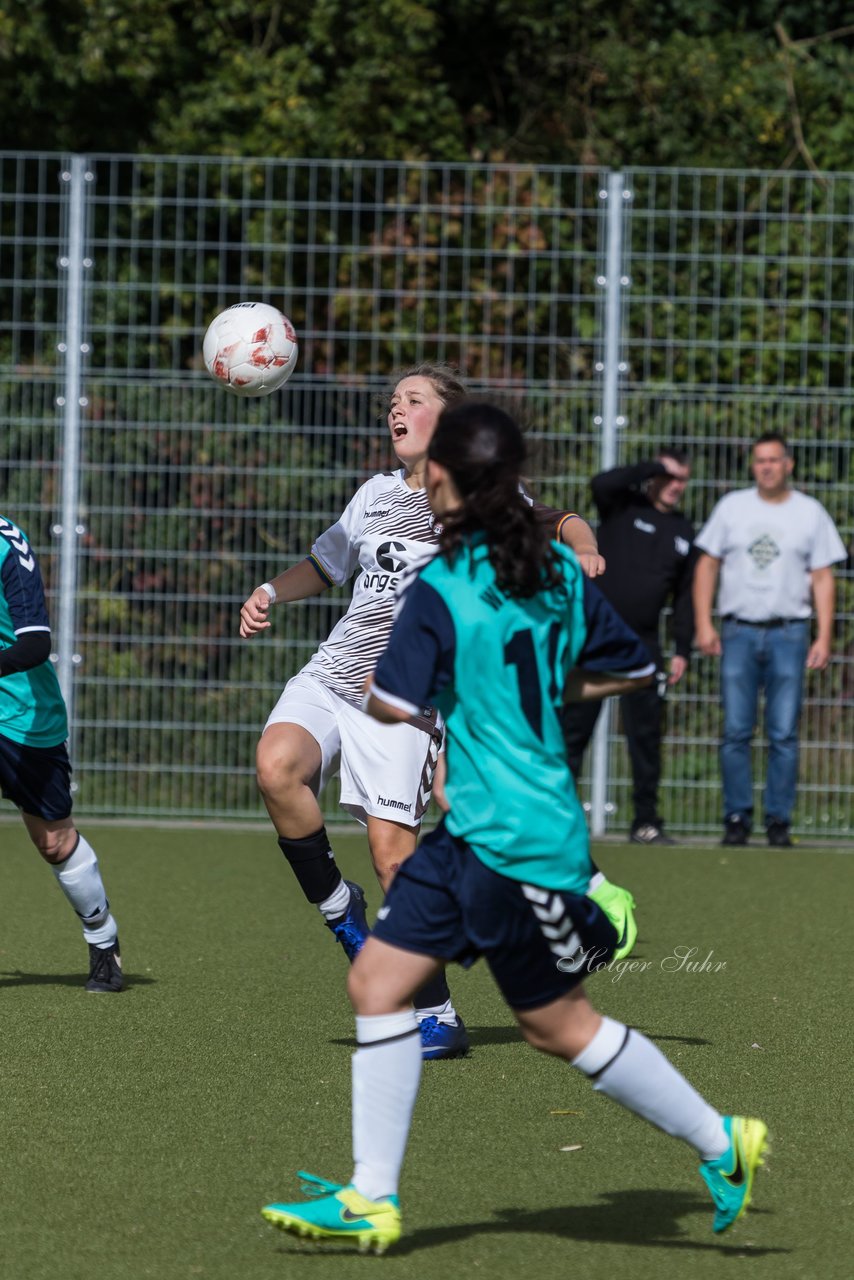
x=251, y=348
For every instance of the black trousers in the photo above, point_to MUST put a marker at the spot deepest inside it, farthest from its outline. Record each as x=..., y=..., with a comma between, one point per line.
x=643, y=724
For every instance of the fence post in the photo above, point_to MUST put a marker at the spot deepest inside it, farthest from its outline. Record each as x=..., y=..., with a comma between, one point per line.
x=75, y=178
x=610, y=367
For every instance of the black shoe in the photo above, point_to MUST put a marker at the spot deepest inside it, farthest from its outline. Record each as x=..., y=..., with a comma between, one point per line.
x=105, y=968
x=778, y=834
x=736, y=830
x=649, y=833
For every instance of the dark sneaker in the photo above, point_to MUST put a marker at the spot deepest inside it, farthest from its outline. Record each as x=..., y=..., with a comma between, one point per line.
x=351, y=929
x=105, y=968
x=736, y=830
x=649, y=833
x=443, y=1039
x=778, y=834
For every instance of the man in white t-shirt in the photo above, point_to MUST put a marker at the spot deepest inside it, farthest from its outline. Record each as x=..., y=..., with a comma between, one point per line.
x=774, y=549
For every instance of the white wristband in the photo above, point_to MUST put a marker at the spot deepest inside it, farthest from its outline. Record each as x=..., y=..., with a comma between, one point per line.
x=270, y=589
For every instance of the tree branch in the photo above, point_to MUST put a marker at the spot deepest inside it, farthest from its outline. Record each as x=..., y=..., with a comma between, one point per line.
x=797, y=127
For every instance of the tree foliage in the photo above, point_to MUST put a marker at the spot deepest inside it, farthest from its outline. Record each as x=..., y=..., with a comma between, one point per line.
x=658, y=84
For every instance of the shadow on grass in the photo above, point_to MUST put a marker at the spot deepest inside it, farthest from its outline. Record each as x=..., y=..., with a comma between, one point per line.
x=16, y=978
x=645, y=1219
x=510, y=1034
x=652, y=1035
x=478, y=1036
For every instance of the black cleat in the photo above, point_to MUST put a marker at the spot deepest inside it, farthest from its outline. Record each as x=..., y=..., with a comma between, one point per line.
x=105, y=968
x=778, y=834
x=736, y=830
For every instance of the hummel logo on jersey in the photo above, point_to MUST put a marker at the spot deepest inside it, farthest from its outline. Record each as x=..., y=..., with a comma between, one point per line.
x=643, y=526
x=493, y=597
x=383, y=912
x=376, y=515
x=13, y=535
x=682, y=545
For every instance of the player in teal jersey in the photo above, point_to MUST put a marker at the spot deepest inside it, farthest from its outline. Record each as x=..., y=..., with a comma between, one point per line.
x=317, y=727
x=489, y=631
x=35, y=772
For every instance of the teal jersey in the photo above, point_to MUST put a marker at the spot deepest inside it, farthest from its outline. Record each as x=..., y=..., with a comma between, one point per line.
x=496, y=668
x=32, y=710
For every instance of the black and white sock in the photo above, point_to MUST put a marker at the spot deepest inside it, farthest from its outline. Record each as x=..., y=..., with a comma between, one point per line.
x=386, y=1074
x=433, y=1000
x=313, y=863
x=79, y=878
x=627, y=1067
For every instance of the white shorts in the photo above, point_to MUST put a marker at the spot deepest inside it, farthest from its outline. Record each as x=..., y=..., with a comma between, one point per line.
x=386, y=769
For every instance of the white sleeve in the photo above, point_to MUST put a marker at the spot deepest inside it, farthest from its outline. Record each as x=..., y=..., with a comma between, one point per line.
x=827, y=547
x=337, y=550
x=712, y=538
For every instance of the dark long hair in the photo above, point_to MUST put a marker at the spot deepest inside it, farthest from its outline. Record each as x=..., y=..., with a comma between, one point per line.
x=483, y=449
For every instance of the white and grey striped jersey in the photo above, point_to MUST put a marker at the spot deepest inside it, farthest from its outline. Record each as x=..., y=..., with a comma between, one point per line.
x=385, y=529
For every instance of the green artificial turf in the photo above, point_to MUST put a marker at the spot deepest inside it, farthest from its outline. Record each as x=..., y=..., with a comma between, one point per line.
x=141, y=1133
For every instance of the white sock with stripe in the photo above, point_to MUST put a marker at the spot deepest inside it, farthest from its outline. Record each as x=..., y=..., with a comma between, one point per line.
x=79, y=878
x=627, y=1067
x=386, y=1074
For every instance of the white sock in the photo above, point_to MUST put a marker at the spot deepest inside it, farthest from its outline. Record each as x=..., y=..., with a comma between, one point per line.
x=337, y=903
x=79, y=878
x=629, y=1068
x=386, y=1073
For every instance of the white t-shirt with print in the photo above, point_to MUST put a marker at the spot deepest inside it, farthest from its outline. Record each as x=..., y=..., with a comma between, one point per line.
x=768, y=551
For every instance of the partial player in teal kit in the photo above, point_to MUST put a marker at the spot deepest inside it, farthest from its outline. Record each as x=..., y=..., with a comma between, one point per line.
x=35, y=772
x=489, y=631
x=502, y=667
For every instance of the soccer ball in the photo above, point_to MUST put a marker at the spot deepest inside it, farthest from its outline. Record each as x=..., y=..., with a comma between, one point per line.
x=251, y=348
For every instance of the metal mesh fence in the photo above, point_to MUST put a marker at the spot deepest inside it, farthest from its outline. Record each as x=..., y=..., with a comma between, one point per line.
x=733, y=315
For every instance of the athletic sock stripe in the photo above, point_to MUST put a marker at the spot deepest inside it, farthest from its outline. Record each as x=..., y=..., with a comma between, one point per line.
x=614, y=1057
x=372, y=1044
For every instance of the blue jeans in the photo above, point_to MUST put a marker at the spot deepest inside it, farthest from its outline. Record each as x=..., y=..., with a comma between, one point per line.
x=772, y=659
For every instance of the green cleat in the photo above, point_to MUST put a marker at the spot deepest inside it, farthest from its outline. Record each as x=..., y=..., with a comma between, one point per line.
x=618, y=905
x=730, y=1177
x=341, y=1215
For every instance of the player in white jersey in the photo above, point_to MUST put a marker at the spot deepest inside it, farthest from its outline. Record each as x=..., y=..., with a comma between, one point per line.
x=317, y=725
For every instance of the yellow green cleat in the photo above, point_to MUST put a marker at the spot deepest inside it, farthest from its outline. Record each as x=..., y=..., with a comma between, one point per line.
x=343, y=1214
x=730, y=1177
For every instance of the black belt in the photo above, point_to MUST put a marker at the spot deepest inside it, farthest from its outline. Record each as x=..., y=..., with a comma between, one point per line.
x=770, y=622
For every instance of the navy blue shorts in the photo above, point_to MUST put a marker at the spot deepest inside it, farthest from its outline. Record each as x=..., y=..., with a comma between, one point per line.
x=36, y=779
x=445, y=902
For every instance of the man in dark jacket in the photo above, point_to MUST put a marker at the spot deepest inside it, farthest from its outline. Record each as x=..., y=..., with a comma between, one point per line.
x=648, y=547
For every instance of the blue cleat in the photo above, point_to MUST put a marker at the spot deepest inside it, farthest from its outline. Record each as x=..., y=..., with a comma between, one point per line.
x=443, y=1039
x=341, y=1214
x=351, y=929
x=730, y=1177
